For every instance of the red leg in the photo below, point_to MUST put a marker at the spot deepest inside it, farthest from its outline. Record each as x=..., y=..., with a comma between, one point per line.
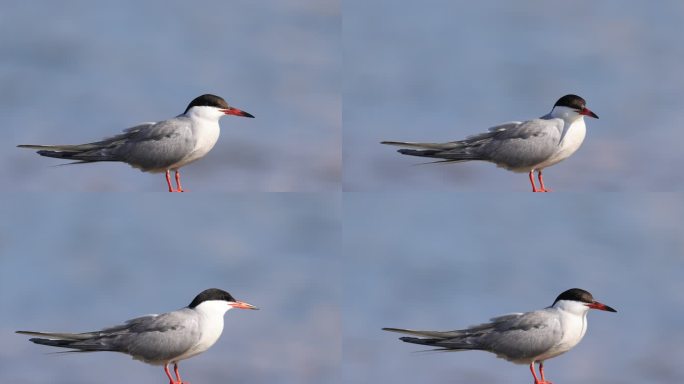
x=166, y=369
x=168, y=181
x=178, y=184
x=534, y=187
x=541, y=372
x=541, y=182
x=175, y=370
x=534, y=374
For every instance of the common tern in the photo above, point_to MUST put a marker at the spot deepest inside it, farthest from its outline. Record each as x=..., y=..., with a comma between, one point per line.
x=156, y=147
x=519, y=146
x=156, y=339
x=522, y=338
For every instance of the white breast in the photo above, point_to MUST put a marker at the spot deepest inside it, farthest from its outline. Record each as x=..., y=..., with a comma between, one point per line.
x=206, y=134
x=572, y=140
x=574, y=327
x=211, y=327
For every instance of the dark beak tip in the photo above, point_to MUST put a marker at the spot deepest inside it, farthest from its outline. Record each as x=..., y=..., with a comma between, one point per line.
x=608, y=309
x=242, y=113
x=589, y=113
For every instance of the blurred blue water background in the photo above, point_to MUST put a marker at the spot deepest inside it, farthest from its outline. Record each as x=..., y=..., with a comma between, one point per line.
x=78, y=263
x=76, y=71
x=443, y=261
x=328, y=279
x=441, y=70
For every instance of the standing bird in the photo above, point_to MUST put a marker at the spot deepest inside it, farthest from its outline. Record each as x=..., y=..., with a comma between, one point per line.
x=525, y=146
x=161, y=146
x=522, y=338
x=156, y=339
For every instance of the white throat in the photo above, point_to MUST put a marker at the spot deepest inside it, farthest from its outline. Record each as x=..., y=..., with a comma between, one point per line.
x=213, y=308
x=210, y=318
x=204, y=113
x=572, y=137
x=205, y=130
x=573, y=319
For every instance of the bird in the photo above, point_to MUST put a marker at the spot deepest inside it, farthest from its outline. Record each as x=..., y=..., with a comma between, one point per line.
x=156, y=339
x=155, y=147
x=518, y=146
x=521, y=338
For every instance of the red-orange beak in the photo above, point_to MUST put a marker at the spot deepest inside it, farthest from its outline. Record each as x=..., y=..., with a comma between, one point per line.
x=242, y=305
x=236, y=112
x=600, y=306
x=588, y=112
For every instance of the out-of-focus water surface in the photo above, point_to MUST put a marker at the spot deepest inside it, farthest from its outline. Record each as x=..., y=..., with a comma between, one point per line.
x=82, y=262
x=77, y=71
x=441, y=70
x=443, y=261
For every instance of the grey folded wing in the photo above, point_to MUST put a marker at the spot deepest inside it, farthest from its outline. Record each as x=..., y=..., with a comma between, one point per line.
x=513, y=337
x=513, y=145
x=102, y=150
x=148, y=146
x=153, y=338
x=450, y=145
x=158, y=146
x=516, y=145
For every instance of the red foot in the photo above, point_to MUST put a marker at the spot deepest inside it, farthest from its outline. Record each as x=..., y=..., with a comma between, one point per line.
x=541, y=371
x=541, y=188
x=178, y=189
x=175, y=370
x=178, y=183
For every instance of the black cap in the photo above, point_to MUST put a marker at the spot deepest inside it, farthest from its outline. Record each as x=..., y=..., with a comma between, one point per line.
x=571, y=101
x=575, y=294
x=207, y=100
x=211, y=294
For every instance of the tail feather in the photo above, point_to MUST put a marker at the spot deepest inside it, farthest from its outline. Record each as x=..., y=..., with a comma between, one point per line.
x=81, y=346
x=83, y=342
x=84, y=153
x=58, y=336
x=449, y=156
x=416, y=340
x=442, y=146
x=443, y=341
x=81, y=157
x=439, y=344
x=61, y=148
x=53, y=343
x=433, y=334
x=451, y=152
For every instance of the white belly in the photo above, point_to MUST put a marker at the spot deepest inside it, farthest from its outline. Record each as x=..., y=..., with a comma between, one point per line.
x=569, y=144
x=210, y=335
x=574, y=329
x=207, y=136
